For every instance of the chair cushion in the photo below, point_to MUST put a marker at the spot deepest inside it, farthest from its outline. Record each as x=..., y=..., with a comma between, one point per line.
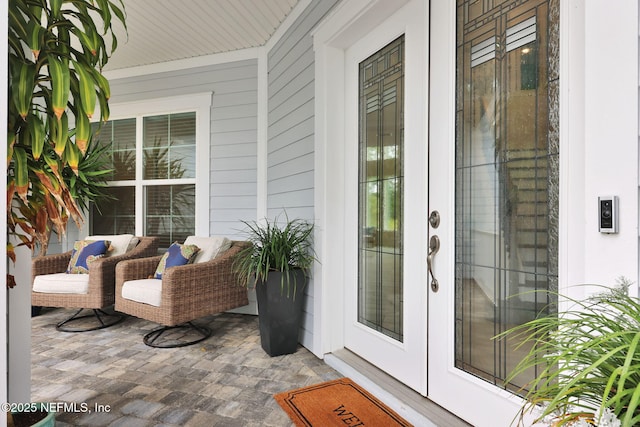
x=176, y=255
x=84, y=253
x=61, y=283
x=147, y=291
x=121, y=243
x=210, y=247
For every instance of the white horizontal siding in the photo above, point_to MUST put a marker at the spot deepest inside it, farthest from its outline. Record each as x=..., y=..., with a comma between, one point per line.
x=237, y=175
x=292, y=135
x=291, y=167
x=235, y=150
x=295, y=95
x=291, y=78
x=293, y=182
x=291, y=111
x=234, y=188
x=233, y=132
x=235, y=137
x=238, y=202
x=294, y=150
x=240, y=164
x=290, y=141
x=303, y=113
x=304, y=198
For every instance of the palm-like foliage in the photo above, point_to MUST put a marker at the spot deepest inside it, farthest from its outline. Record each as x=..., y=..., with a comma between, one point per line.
x=56, y=52
x=276, y=248
x=589, y=360
x=90, y=182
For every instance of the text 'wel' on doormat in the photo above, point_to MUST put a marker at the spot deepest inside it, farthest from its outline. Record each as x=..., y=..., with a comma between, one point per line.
x=337, y=403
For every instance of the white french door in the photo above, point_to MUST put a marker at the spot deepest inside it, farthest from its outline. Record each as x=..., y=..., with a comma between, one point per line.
x=462, y=393
x=416, y=116
x=493, y=180
x=385, y=129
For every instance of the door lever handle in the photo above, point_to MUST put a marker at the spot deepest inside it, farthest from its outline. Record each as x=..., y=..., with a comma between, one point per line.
x=434, y=247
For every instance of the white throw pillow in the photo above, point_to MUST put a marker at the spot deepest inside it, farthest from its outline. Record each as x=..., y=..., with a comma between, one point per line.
x=210, y=247
x=120, y=243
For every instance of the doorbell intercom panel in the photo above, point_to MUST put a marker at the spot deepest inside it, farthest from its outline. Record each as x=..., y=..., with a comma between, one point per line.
x=608, y=214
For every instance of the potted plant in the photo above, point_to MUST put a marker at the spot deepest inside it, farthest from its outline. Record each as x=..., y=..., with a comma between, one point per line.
x=56, y=55
x=587, y=361
x=276, y=263
x=56, y=52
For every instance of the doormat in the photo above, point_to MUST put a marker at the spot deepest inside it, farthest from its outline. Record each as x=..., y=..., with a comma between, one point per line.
x=337, y=403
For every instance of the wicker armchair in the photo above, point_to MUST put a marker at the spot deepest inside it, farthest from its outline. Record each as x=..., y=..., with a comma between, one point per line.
x=187, y=292
x=101, y=287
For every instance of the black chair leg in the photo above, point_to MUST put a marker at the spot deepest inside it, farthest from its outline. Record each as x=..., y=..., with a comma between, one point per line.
x=201, y=332
x=104, y=320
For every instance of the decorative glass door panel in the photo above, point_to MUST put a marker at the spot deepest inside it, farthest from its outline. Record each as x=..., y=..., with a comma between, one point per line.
x=506, y=179
x=385, y=316
x=380, y=249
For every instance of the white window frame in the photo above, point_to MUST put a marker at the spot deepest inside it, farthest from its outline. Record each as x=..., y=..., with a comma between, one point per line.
x=200, y=103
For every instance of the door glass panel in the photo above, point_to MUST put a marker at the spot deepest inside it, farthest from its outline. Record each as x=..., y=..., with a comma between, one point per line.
x=506, y=178
x=380, y=249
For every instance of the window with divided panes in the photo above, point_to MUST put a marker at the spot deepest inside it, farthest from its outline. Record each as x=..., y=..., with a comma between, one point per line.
x=154, y=173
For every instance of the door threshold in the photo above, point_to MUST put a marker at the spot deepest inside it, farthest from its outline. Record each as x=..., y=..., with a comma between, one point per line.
x=415, y=408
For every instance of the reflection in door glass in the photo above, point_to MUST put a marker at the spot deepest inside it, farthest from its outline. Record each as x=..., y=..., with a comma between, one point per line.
x=380, y=251
x=506, y=178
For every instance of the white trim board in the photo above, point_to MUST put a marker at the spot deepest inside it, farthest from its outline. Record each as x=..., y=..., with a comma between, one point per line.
x=184, y=64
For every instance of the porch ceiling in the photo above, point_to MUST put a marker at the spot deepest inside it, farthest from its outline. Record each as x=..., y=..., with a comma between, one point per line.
x=168, y=30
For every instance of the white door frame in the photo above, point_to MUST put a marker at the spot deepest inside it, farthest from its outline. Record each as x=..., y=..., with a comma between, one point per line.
x=348, y=22
x=580, y=247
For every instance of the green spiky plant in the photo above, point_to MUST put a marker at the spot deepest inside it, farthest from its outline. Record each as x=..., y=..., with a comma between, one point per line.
x=276, y=247
x=56, y=54
x=588, y=359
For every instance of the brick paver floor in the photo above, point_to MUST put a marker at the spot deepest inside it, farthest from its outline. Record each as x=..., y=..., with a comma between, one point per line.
x=109, y=377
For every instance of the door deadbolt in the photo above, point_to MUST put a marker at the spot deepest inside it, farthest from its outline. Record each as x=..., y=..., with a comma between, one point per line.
x=434, y=219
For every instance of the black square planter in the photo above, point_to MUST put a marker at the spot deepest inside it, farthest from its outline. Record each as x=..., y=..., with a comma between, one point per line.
x=280, y=317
